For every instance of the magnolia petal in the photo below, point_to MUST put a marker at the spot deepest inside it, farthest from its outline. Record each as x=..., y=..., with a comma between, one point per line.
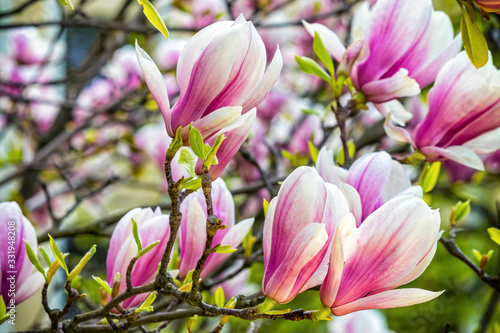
x=396, y=132
x=193, y=233
x=267, y=235
x=369, y=175
x=156, y=85
x=330, y=287
x=349, y=235
x=459, y=154
x=391, y=242
x=29, y=287
x=330, y=40
x=194, y=49
x=234, y=139
x=388, y=299
x=397, y=86
x=268, y=80
x=306, y=245
x=328, y=171
x=486, y=143
x=214, y=121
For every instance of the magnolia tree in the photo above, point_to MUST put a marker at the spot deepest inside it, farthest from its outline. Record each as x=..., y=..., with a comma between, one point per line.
x=270, y=162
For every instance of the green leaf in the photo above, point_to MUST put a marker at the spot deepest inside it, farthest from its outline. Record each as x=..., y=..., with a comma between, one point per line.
x=103, y=284
x=66, y=3
x=211, y=154
x=231, y=304
x=146, y=305
x=4, y=318
x=188, y=161
x=3, y=308
x=429, y=176
x=154, y=17
x=45, y=256
x=188, y=278
x=310, y=66
x=176, y=144
x=351, y=147
x=137, y=237
x=147, y=249
x=474, y=42
x=313, y=151
x=265, y=205
x=460, y=210
x=82, y=263
x=196, y=142
x=220, y=298
x=477, y=255
x=489, y=254
x=193, y=184
x=57, y=254
x=34, y=260
x=494, y=235
x=322, y=53
x=224, y=249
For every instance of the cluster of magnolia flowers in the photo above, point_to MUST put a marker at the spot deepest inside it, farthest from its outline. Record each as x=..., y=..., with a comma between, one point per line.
x=359, y=233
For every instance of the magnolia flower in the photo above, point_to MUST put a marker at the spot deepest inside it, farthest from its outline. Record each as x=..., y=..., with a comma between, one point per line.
x=463, y=119
x=489, y=5
x=19, y=278
x=298, y=230
x=152, y=226
x=392, y=247
x=221, y=77
x=399, y=47
x=372, y=321
x=371, y=181
x=193, y=235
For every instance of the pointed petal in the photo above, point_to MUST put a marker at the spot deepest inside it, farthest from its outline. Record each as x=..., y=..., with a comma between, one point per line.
x=193, y=233
x=391, y=242
x=305, y=246
x=369, y=175
x=233, y=142
x=156, y=85
x=268, y=80
x=327, y=169
x=459, y=154
x=388, y=299
x=397, y=86
x=330, y=40
x=330, y=287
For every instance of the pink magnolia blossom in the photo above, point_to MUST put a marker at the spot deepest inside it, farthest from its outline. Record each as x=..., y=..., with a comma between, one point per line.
x=298, y=230
x=392, y=247
x=463, y=118
x=371, y=181
x=152, y=226
x=193, y=228
x=14, y=230
x=222, y=77
x=399, y=47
